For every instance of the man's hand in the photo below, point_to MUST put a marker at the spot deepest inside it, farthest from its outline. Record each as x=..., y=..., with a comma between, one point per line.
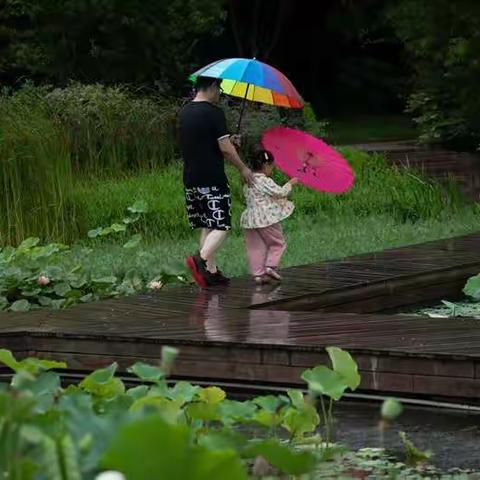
x=230, y=154
x=247, y=175
x=236, y=140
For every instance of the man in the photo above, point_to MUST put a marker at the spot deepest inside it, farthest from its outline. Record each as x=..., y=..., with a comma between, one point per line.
x=205, y=144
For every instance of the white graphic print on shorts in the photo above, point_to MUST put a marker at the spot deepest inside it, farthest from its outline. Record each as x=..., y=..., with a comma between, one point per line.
x=209, y=207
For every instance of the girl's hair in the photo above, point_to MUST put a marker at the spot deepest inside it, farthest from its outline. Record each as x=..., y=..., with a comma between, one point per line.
x=259, y=158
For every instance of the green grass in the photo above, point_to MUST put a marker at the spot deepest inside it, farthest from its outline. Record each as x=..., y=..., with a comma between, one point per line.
x=380, y=190
x=309, y=241
x=386, y=208
x=365, y=129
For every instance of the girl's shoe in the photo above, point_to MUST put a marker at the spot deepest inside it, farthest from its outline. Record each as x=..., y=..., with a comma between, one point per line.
x=262, y=280
x=272, y=272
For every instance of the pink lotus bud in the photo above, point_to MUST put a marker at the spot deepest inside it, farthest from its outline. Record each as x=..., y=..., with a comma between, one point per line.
x=43, y=280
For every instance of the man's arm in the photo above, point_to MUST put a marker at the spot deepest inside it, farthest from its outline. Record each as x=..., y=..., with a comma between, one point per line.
x=230, y=154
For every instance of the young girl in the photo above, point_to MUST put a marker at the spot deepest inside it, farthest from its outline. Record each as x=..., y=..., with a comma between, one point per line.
x=267, y=206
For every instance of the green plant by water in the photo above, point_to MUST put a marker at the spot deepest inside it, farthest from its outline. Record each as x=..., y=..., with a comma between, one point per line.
x=469, y=307
x=71, y=433
x=159, y=429
x=55, y=275
x=101, y=424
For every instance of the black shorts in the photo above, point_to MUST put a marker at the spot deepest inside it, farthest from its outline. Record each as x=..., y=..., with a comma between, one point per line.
x=209, y=207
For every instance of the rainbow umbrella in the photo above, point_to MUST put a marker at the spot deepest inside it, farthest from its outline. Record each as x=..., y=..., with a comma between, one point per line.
x=252, y=80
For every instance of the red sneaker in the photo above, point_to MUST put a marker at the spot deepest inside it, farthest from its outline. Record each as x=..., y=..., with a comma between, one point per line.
x=198, y=267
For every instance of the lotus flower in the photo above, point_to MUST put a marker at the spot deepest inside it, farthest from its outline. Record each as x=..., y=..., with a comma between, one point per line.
x=43, y=280
x=155, y=285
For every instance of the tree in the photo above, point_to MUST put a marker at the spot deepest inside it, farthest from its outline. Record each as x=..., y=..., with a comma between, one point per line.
x=443, y=42
x=125, y=41
x=265, y=20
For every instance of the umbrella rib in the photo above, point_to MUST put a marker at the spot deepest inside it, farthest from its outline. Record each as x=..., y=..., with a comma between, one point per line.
x=245, y=71
x=207, y=67
x=235, y=85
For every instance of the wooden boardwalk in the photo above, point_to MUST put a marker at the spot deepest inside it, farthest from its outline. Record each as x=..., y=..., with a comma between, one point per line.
x=269, y=335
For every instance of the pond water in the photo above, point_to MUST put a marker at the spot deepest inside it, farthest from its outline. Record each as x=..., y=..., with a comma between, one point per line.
x=453, y=436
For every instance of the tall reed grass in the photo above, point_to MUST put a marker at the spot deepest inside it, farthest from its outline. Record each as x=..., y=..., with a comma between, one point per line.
x=35, y=174
x=112, y=131
x=89, y=131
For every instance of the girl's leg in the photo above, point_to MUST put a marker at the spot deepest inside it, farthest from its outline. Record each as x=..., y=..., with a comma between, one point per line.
x=276, y=244
x=256, y=252
x=211, y=244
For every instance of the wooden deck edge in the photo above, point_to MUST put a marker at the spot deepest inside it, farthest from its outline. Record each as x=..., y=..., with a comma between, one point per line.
x=371, y=298
x=427, y=375
x=122, y=345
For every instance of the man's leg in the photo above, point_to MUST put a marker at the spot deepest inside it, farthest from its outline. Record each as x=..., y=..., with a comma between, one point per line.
x=195, y=200
x=211, y=265
x=211, y=244
x=210, y=211
x=218, y=212
x=204, y=232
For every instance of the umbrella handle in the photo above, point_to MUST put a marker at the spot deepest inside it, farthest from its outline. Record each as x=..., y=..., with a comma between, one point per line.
x=242, y=110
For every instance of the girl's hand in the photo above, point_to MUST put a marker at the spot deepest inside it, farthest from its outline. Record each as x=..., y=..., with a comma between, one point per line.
x=293, y=182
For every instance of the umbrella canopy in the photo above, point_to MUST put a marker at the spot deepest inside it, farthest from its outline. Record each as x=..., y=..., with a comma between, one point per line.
x=312, y=161
x=253, y=80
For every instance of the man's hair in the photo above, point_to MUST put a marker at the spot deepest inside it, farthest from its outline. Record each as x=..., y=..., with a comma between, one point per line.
x=206, y=82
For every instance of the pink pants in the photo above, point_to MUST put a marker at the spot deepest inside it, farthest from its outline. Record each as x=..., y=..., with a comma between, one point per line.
x=265, y=247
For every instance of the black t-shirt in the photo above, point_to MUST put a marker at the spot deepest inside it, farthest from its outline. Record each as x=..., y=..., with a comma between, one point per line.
x=201, y=124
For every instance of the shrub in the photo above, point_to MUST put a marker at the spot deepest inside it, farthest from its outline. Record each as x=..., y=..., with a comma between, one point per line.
x=105, y=135
x=259, y=117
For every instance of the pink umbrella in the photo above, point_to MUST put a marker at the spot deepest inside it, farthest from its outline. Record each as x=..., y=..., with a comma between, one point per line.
x=312, y=161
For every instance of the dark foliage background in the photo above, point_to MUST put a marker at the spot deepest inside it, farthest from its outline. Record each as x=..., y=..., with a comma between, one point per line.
x=346, y=57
